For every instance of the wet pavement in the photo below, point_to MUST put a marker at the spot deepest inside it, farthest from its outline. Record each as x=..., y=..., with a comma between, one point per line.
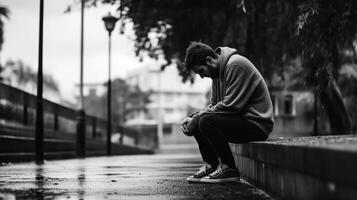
x=160, y=176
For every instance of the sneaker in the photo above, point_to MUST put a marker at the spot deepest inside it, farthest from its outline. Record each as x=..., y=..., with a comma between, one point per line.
x=222, y=174
x=205, y=170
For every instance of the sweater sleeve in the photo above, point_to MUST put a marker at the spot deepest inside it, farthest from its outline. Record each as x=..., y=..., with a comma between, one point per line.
x=240, y=84
x=213, y=94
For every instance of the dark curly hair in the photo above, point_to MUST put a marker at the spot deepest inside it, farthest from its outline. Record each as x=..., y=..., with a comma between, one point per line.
x=196, y=54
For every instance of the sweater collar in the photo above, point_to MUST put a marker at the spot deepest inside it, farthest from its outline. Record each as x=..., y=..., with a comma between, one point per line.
x=224, y=54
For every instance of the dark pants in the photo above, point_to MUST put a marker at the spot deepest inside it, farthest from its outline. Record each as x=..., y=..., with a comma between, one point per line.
x=214, y=131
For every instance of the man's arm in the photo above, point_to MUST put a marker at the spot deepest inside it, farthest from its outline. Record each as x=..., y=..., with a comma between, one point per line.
x=184, y=123
x=240, y=85
x=213, y=93
x=190, y=122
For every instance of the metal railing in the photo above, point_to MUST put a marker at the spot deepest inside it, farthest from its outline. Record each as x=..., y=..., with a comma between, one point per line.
x=17, y=106
x=18, y=111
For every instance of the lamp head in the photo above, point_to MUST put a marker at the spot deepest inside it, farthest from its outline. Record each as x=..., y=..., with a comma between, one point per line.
x=109, y=22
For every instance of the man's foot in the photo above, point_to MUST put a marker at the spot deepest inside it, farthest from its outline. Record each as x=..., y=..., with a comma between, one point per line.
x=205, y=170
x=222, y=174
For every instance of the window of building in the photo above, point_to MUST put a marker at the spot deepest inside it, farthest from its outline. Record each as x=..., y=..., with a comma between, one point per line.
x=169, y=110
x=167, y=129
x=274, y=100
x=289, y=105
x=169, y=98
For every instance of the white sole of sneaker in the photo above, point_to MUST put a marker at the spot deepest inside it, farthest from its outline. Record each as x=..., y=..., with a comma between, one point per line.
x=193, y=180
x=224, y=180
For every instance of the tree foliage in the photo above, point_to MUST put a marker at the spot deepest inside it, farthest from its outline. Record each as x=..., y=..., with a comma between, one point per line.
x=174, y=24
x=327, y=30
x=24, y=76
x=4, y=12
x=277, y=36
x=126, y=99
x=261, y=30
x=348, y=82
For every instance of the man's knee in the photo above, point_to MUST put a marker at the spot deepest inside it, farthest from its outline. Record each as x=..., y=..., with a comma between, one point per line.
x=205, y=123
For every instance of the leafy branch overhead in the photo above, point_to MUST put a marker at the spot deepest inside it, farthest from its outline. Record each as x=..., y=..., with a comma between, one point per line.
x=327, y=31
x=319, y=35
x=270, y=33
x=165, y=28
x=4, y=12
x=23, y=75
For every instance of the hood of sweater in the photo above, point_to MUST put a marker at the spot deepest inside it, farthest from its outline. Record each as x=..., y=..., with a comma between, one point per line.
x=224, y=54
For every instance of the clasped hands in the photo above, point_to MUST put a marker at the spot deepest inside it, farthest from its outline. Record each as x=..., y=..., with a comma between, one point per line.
x=187, y=126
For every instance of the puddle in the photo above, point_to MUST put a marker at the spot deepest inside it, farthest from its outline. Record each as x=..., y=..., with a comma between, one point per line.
x=29, y=194
x=7, y=196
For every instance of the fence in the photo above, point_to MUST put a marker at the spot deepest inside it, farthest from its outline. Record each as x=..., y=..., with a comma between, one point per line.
x=17, y=106
x=18, y=112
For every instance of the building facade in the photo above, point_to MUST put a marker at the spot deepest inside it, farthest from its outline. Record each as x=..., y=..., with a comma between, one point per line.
x=168, y=95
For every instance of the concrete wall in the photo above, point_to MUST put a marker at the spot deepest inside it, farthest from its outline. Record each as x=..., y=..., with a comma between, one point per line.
x=301, y=168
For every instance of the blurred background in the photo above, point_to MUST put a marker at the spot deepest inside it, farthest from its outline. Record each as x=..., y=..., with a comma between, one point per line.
x=305, y=50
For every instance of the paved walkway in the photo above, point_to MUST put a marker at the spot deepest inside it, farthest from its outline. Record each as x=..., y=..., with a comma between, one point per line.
x=160, y=176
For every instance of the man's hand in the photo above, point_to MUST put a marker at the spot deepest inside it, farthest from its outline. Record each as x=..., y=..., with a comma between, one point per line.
x=185, y=126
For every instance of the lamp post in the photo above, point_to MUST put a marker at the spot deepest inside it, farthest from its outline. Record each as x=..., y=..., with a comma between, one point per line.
x=81, y=56
x=109, y=22
x=81, y=123
x=39, y=109
x=159, y=109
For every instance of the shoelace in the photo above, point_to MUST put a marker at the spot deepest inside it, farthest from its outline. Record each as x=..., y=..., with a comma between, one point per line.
x=203, y=169
x=218, y=171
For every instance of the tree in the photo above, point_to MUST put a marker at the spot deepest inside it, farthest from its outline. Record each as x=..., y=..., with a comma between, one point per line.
x=168, y=21
x=126, y=99
x=263, y=31
x=26, y=78
x=4, y=12
x=327, y=29
x=348, y=82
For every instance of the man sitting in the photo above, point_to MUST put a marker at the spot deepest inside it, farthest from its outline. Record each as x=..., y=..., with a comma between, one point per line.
x=240, y=111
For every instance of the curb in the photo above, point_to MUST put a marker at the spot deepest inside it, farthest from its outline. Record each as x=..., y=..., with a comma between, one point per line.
x=301, y=169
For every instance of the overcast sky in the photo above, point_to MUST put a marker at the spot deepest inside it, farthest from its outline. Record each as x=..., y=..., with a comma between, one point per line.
x=62, y=43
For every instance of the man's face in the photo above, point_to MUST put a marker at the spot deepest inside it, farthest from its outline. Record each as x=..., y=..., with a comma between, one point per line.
x=207, y=70
x=202, y=70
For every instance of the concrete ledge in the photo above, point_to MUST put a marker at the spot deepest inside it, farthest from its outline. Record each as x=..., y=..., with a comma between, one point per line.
x=301, y=168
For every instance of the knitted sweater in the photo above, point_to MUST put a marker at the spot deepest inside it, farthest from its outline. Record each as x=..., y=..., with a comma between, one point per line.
x=240, y=88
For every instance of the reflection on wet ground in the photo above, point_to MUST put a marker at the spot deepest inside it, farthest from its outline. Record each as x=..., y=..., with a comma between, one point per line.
x=117, y=177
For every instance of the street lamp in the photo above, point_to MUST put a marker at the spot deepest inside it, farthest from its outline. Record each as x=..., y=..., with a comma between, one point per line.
x=159, y=108
x=39, y=156
x=81, y=124
x=109, y=22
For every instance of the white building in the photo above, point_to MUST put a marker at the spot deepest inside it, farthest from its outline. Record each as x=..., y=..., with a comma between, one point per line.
x=176, y=99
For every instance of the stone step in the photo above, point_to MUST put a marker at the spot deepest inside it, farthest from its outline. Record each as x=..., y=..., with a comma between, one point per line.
x=301, y=168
